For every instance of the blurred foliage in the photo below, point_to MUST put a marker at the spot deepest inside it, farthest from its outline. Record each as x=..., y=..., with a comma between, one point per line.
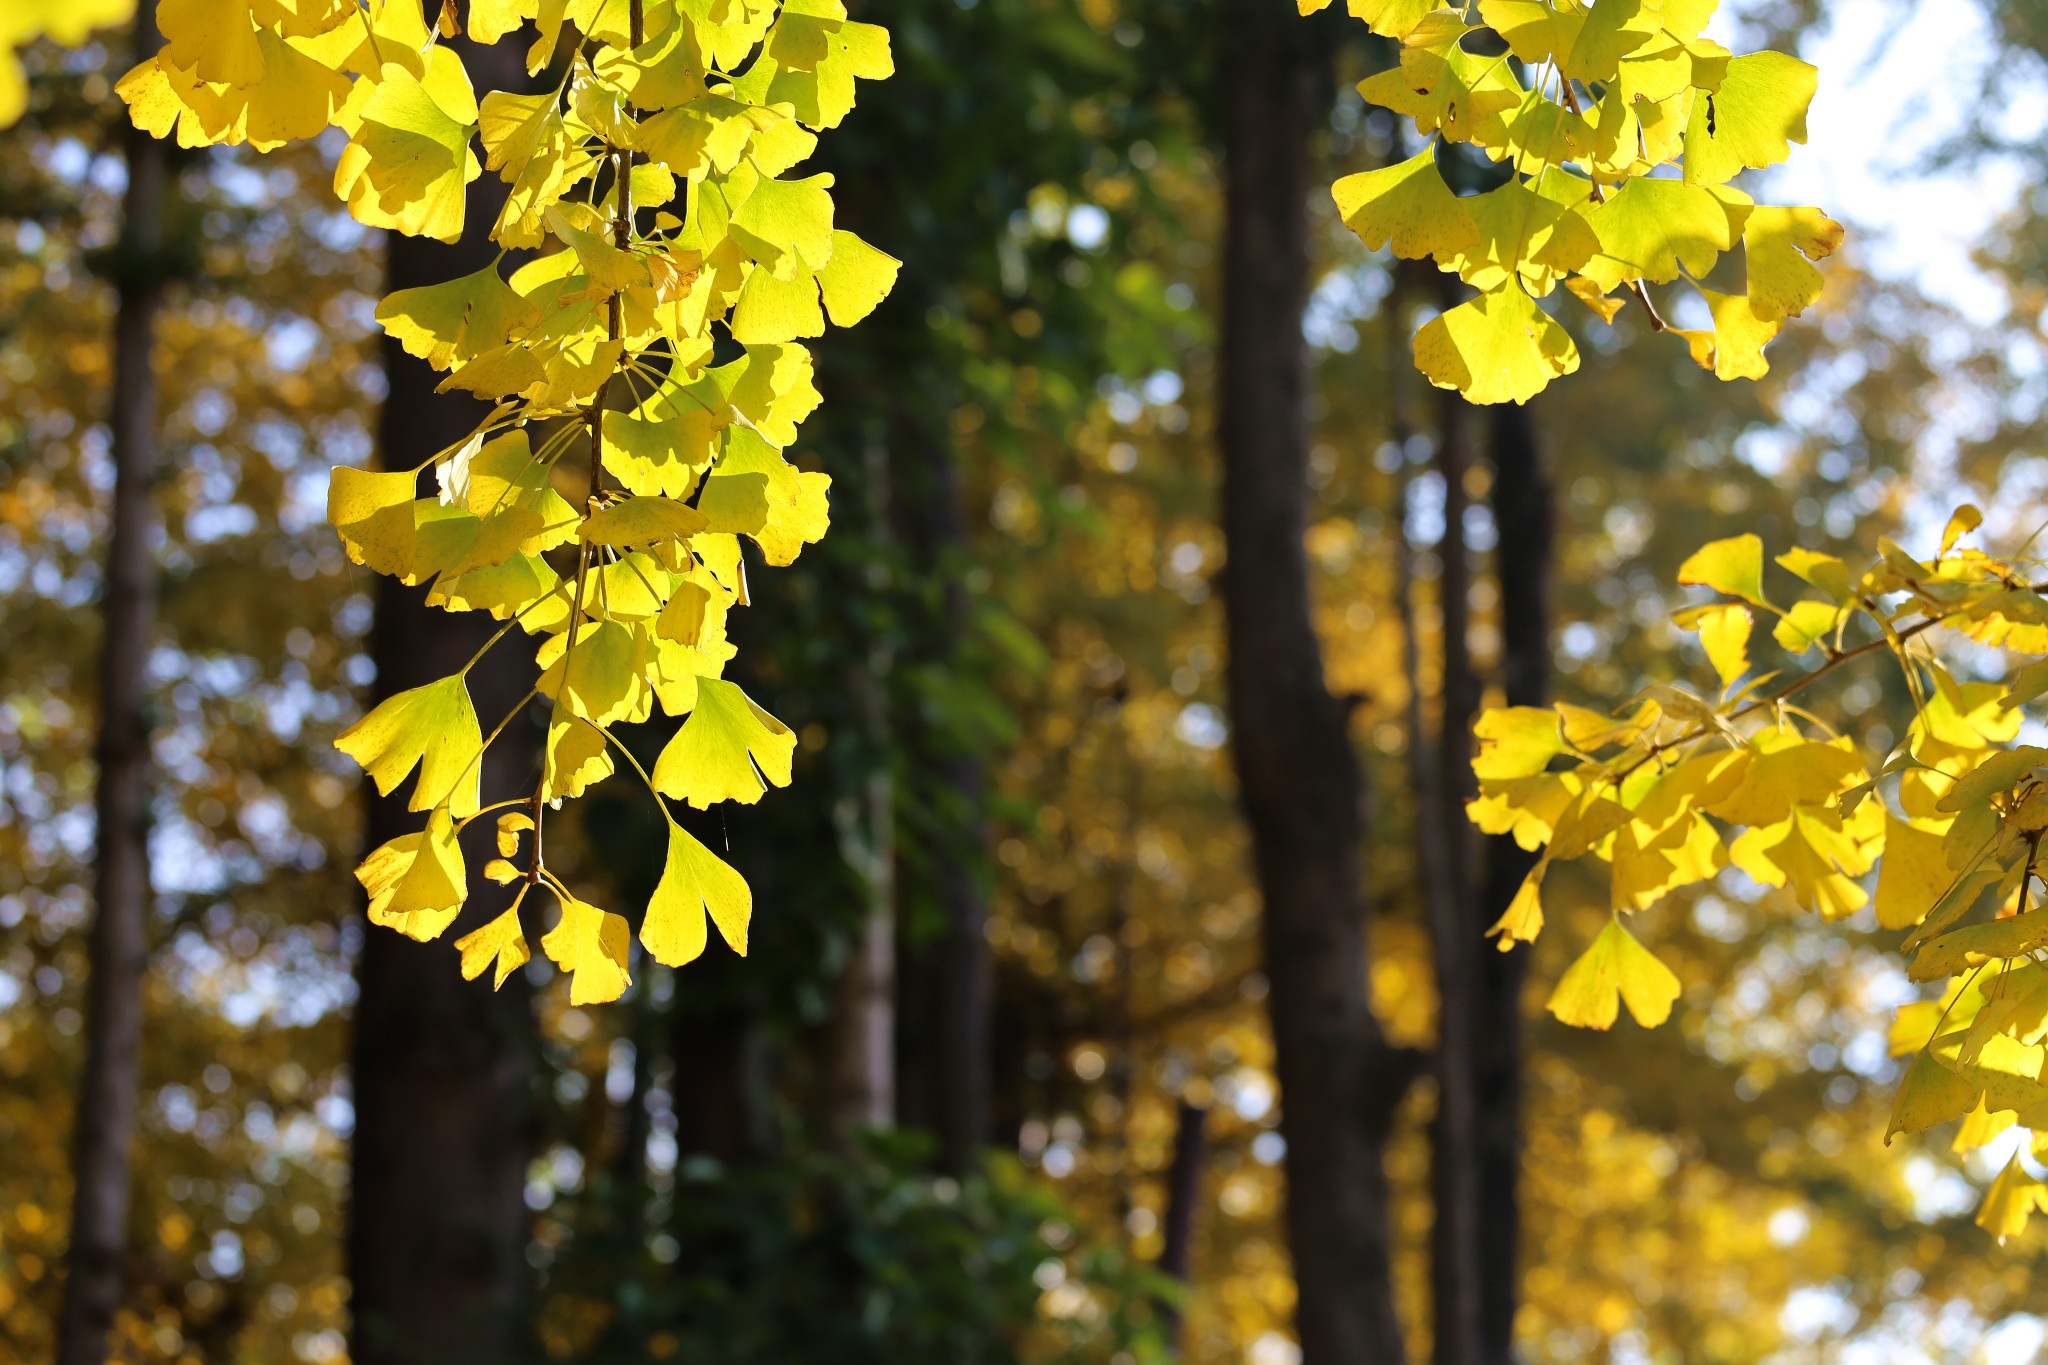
x=1710, y=1192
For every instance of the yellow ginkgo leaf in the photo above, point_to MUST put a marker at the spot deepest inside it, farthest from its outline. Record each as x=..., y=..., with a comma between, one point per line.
x=1523, y=919
x=406, y=166
x=786, y=218
x=1724, y=634
x=1929, y=1093
x=856, y=279
x=1516, y=741
x=643, y=521
x=728, y=750
x=501, y=943
x=1615, y=969
x=434, y=727
x=1734, y=566
x=694, y=881
x=417, y=882
x=448, y=323
x=1913, y=876
x=1497, y=348
x=2013, y=1196
x=1781, y=245
x=1408, y=206
x=1652, y=229
x=1753, y=118
x=372, y=513
x=591, y=945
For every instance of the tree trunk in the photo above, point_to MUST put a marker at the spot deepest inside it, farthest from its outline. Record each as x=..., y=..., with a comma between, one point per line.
x=1457, y=936
x=1183, y=1200
x=1299, y=779
x=443, y=1069
x=863, y=1039
x=1523, y=516
x=118, y=948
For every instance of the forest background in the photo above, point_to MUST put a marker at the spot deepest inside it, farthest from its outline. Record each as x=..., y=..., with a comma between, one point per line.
x=996, y=1081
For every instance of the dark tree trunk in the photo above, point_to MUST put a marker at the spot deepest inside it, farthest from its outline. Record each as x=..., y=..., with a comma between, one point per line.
x=1457, y=933
x=1523, y=516
x=1299, y=778
x=118, y=947
x=443, y=1068
x=944, y=984
x=1183, y=1201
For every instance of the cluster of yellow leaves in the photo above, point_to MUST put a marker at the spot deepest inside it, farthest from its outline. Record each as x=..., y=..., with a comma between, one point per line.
x=1618, y=151
x=62, y=21
x=601, y=504
x=1680, y=784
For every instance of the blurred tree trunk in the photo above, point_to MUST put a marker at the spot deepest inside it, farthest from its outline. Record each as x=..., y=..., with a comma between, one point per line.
x=863, y=1036
x=1524, y=519
x=1457, y=935
x=1299, y=778
x=118, y=947
x=1183, y=1201
x=443, y=1069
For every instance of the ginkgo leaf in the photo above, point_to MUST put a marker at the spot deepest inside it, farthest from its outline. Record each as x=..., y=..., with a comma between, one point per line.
x=694, y=882
x=772, y=310
x=602, y=677
x=1929, y=1093
x=728, y=750
x=1826, y=572
x=433, y=727
x=1522, y=921
x=1615, y=969
x=1781, y=245
x=1807, y=624
x=1734, y=566
x=1409, y=206
x=663, y=456
x=2014, y=1195
x=406, y=166
x=1497, y=348
x=1389, y=18
x=1517, y=741
x=642, y=521
x=1724, y=634
x=576, y=757
x=1753, y=118
x=856, y=279
x=1651, y=229
x=787, y=218
x=445, y=324
x=500, y=944
x=592, y=946
x=1961, y=522
x=417, y=882
x=754, y=491
x=372, y=513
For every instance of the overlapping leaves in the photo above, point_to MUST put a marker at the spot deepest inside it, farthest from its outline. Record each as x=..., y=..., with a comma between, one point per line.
x=599, y=509
x=1620, y=127
x=1680, y=784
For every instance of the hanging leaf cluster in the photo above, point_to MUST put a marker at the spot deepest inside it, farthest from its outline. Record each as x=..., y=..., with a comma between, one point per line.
x=1619, y=127
x=644, y=369
x=1680, y=784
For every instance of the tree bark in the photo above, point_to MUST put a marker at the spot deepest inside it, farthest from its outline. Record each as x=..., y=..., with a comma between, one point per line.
x=1524, y=517
x=118, y=949
x=1183, y=1201
x=443, y=1069
x=1457, y=936
x=1299, y=779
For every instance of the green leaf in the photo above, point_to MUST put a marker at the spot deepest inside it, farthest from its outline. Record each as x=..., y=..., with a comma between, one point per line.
x=694, y=881
x=728, y=750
